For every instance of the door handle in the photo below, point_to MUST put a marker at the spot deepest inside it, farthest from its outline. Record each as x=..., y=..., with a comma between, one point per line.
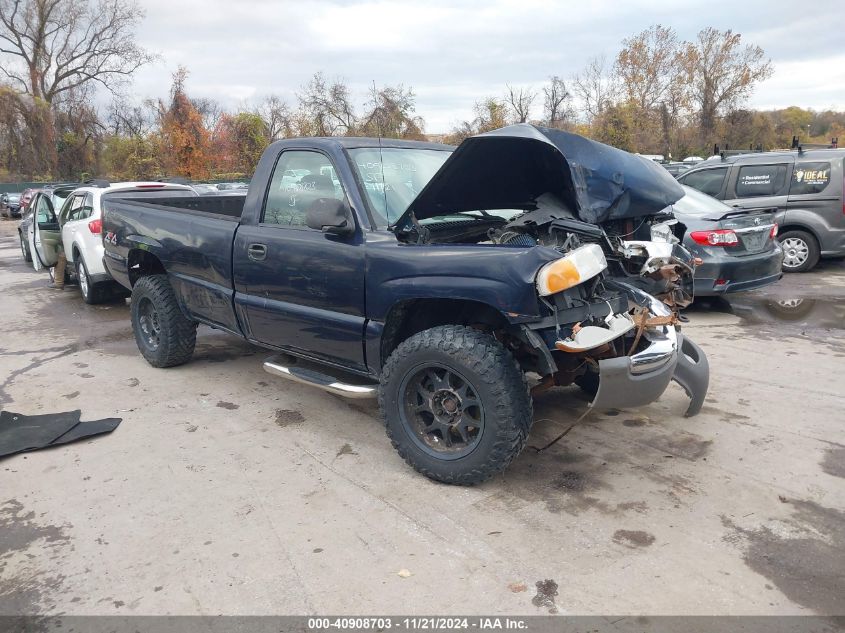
x=256, y=252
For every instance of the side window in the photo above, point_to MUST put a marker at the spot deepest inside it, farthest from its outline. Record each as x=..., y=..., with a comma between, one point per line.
x=87, y=207
x=707, y=181
x=300, y=178
x=761, y=180
x=44, y=211
x=75, y=208
x=809, y=178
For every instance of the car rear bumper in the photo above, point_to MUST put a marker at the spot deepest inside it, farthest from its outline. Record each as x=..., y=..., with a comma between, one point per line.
x=721, y=274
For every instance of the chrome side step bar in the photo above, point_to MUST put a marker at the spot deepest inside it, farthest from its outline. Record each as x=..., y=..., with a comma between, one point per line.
x=286, y=368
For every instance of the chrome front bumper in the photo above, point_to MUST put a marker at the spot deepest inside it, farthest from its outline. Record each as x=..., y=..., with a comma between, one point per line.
x=637, y=380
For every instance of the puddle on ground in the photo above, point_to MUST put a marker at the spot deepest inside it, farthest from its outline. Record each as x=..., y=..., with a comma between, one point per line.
x=753, y=309
x=804, y=555
x=633, y=538
x=834, y=461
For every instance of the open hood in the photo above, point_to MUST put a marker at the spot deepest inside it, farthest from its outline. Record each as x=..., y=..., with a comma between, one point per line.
x=510, y=168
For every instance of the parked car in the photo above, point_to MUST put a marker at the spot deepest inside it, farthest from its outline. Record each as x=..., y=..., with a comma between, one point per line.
x=204, y=188
x=57, y=195
x=737, y=247
x=676, y=168
x=436, y=278
x=227, y=186
x=806, y=187
x=23, y=233
x=26, y=197
x=77, y=227
x=10, y=205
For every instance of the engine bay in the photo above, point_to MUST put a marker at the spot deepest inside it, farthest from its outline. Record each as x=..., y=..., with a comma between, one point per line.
x=645, y=251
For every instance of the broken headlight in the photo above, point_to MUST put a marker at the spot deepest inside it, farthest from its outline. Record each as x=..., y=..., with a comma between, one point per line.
x=581, y=264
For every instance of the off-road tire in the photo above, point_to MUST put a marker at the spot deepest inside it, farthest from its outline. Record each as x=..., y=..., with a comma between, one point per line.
x=178, y=334
x=812, y=248
x=97, y=293
x=27, y=256
x=501, y=386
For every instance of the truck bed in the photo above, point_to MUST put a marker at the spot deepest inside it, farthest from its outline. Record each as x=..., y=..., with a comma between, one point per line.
x=192, y=238
x=229, y=206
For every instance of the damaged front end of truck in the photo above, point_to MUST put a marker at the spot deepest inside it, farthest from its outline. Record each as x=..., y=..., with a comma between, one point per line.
x=612, y=276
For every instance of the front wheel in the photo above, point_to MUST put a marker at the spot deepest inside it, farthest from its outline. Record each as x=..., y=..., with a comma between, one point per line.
x=800, y=251
x=456, y=404
x=165, y=336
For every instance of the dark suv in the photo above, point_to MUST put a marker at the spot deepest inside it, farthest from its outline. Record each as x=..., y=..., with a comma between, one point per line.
x=806, y=187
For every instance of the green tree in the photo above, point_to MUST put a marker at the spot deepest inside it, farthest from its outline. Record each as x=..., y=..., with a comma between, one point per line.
x=241, y=139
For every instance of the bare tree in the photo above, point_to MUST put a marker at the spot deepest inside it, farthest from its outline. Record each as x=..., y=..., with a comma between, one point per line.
x=49, y=48
x=131, y=119
x=327, y=106
x=648, y=65
x=210, y=110
x=520, y=101
x=277, y=116
x=391, y=114
x=721, y=73
x=52, y=46
x=557, y=102
x=595, y=87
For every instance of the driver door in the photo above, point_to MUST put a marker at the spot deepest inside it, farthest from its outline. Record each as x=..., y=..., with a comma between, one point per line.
x=46, y=236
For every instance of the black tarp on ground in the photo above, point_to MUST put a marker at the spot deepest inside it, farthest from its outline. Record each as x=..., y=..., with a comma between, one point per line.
x=20, y=433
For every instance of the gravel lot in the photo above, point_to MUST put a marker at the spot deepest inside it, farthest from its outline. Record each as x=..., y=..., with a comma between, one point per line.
x=226, y=490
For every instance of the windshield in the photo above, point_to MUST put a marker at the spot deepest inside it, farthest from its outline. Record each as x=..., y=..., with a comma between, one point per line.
x=699, y=204
x=393, y=176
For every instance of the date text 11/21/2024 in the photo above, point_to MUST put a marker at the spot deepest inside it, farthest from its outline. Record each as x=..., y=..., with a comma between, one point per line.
x=419, y=623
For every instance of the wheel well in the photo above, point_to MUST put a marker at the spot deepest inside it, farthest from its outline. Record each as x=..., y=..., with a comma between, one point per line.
x=798, y=227
x=409, y=317
x=142, y=264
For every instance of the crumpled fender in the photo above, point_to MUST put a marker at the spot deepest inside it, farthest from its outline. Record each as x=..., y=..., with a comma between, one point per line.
x=692, y=372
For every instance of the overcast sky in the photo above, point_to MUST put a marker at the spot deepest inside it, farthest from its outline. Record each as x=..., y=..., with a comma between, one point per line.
x=453, y=53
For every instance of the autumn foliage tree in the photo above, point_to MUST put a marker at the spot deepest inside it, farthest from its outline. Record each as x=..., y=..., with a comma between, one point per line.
x=185, y=143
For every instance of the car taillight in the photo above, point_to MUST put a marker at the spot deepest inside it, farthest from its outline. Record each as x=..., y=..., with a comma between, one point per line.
x=95, y=226
x=719, y=237
x=774, y=232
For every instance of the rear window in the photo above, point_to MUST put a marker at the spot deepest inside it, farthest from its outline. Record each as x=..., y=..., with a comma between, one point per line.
x=761, y=180
x=707, y=181
x=698, y=204
x=809, y=178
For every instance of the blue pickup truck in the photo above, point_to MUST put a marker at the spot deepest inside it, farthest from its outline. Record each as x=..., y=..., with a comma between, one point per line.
x=450, y=283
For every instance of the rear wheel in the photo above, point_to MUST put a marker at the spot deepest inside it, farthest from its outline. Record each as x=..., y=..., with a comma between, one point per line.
x=800, y=251
x=91, y=293
x=27, y=256
x=456, y=404
x=165, y=336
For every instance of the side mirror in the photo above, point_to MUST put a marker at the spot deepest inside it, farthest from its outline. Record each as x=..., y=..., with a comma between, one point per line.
x=331, y=216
